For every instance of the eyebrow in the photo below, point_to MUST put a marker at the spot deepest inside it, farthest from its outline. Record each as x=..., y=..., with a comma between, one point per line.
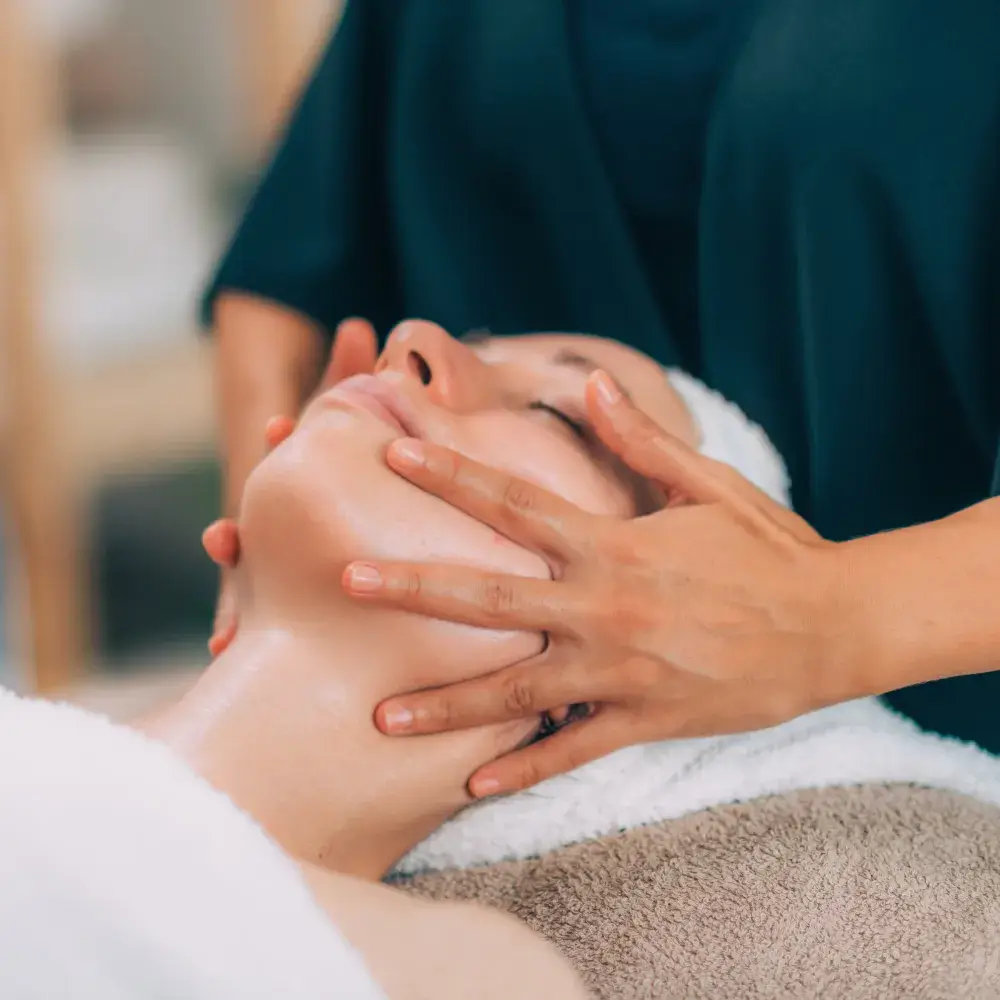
x=570, y=359
x=598, y=453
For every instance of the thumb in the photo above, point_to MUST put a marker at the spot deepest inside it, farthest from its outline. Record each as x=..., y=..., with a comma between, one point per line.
x=221, y=541
x=645, y=447
x=566, y=750
x=226, y=617
x=354, y=352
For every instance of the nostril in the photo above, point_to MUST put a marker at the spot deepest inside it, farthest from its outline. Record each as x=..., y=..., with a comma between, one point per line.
x=419, y=367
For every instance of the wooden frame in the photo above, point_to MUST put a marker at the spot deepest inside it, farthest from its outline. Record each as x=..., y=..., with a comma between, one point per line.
x=64, y=430
x=40, y=506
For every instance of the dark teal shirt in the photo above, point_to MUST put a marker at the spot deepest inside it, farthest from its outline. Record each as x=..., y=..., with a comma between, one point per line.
x=645, y=75
x=797, y=200
x=648, y=74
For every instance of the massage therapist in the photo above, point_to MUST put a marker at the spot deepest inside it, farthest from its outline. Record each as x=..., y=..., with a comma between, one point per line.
x=796, y=201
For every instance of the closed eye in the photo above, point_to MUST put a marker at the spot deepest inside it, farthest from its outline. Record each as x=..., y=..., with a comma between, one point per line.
x=577, y=427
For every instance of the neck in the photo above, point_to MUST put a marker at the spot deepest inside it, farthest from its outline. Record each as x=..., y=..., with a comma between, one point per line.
x=282, y=723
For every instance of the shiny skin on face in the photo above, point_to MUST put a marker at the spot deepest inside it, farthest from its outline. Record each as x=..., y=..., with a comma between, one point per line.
x=326, y=497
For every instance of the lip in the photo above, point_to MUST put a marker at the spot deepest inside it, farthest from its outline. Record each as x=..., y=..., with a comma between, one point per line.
x=382, y=400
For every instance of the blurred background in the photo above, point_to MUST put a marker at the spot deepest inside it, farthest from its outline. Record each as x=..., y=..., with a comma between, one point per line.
x=130, y=135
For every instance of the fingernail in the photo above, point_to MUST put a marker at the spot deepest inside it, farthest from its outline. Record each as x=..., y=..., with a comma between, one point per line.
x=607, y=389
x=409, y=453
x=397, y=719
x=484, y=787
x=363, y=578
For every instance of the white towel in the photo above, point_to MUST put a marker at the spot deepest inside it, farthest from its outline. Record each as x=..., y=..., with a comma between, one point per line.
x=123, y=876
x=858, y=743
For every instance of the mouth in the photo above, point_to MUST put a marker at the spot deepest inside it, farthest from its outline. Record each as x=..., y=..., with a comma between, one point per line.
x=379, y=398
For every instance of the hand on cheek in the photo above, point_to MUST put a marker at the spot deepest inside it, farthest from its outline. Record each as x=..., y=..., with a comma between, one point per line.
x=221, y=541
x=277, y=431
x=355, y=351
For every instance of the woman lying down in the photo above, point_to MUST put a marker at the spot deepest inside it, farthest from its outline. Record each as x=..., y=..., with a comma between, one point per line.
x=842, y=854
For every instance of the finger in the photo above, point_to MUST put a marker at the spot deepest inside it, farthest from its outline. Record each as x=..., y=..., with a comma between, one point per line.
x=469, y=596
x=519, y=692
x=221, y=541
x=655, y=453
x=563, y=751
x=277, y=431
x=222, y=639
x=354, y=352
x=525, y=513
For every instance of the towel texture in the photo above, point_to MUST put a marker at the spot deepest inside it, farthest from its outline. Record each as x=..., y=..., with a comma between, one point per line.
x=844, y=854
x=124, y=875
x=869, y=893
x=857, y=743
x=728, y=435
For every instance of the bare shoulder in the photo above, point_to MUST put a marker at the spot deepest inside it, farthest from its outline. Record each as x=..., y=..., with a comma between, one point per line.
x=415, y=948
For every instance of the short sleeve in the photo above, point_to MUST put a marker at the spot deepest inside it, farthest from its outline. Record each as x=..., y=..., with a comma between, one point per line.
x=314, y=235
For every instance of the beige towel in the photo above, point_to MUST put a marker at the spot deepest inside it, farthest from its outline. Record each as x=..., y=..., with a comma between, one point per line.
x=869, y=892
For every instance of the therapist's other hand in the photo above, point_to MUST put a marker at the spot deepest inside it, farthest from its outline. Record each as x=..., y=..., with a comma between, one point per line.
x=717, y=614
x=354, y=352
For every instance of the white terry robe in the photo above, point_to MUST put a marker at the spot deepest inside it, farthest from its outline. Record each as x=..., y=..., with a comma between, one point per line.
x=125, y=875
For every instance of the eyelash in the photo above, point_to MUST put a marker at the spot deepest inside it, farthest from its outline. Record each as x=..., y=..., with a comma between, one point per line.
x=574, y=425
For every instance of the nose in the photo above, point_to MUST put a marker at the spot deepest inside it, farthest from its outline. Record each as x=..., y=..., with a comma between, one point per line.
x=452, y=373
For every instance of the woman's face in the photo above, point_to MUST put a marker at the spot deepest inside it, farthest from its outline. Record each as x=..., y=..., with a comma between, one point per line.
x=326, y=497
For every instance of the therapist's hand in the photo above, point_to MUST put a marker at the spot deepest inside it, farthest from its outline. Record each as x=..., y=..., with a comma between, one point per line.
x=354, y=352
x=720, y=613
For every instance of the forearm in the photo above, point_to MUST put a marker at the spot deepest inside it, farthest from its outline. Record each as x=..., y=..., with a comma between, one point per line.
x=925, y=599
x=268, y=362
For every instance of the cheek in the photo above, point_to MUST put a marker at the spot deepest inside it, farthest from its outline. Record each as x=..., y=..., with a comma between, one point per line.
x=531, y=452
x=325, y=498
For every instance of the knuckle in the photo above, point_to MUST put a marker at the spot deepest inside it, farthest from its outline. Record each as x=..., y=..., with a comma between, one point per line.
x=441, y=467
x=619, y=547
x=411, y=586
x=518, y=497
x=730, y=480
x=626, y=621
x=726, y=474
x=430, y=714
x=622, y=614
x=518, y=697
x=529, y=773
x=437, y=714
x=641, y=438
x=498, y=597
x=448, y=466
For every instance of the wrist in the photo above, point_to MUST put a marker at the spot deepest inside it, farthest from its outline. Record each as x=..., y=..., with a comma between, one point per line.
x=852, y=660
x=918, y=602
